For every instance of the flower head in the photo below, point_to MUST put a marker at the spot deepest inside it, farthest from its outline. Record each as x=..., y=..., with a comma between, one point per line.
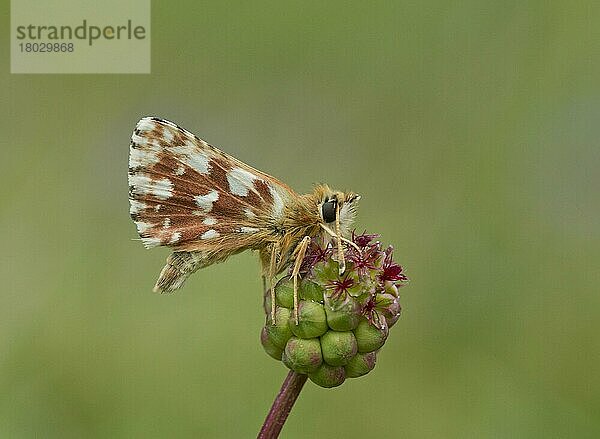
x=344, y=319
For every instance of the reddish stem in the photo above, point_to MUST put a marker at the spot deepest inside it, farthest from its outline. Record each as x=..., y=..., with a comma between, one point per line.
x=285, y=399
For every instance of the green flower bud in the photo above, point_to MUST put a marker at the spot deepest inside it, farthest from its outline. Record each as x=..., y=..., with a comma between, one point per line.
x=312, y=321
x=328, y=376
x=284, y=292
x=268, y=345
x=302, y=355
x=326, y=271
x=310, y=291
x=280, y=332
x=390, y=288
x=360, y=364
x=389, y=306
x=371, y=337
x=338, y=347
x=358, y=287
x=342, y=314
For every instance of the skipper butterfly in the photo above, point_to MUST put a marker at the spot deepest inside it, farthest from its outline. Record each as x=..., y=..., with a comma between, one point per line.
x=207, y=206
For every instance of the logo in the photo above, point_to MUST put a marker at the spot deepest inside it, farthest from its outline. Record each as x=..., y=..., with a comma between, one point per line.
x=80, y=36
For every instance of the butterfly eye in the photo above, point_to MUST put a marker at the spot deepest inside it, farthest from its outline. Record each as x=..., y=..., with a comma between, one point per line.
x=328, y=211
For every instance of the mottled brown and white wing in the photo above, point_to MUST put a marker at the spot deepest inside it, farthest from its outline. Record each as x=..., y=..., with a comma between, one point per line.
x=189, y=195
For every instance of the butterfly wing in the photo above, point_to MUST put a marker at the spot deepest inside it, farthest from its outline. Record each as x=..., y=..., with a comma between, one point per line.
x=189, y=195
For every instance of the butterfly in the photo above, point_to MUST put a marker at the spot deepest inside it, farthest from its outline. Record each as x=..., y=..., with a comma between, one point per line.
x=207, y=206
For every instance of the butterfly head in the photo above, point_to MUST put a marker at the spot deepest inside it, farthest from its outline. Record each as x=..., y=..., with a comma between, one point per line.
x=335, y=203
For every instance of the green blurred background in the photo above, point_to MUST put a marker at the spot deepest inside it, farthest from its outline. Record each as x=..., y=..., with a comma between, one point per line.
x=471, y=130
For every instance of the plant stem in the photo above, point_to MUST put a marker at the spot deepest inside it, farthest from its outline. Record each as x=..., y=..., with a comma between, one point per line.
x=285, y=399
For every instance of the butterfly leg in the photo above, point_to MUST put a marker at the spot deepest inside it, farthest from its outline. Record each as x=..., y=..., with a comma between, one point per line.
x=341, y=258
x=300, y=253
x=340, y=250
x=272, y=274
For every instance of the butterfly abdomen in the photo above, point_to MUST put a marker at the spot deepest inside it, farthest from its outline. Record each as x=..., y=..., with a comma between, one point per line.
x=177, y=269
